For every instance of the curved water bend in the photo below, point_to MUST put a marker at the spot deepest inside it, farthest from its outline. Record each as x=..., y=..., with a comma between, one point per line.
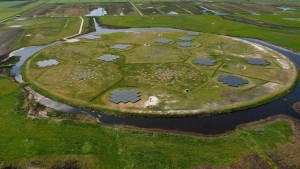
x=25, y=53
x=215, y=124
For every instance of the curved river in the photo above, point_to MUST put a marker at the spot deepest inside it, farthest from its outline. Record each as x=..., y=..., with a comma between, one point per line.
x=214, y=124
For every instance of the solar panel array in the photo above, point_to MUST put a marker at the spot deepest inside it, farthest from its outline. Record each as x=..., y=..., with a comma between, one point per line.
x=108, y=57
x=125, y=96
x=193, y=33
x=233, y=81
x=163, y=41
x=204, y=62
x=120, y=46
x=185, y=44
x=186, y=39
x=257, y=61
x=46, y=63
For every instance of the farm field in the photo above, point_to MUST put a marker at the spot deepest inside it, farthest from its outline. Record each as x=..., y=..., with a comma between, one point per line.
x=80, y=9
x=164, y=8
x=10, y=9
x=44, y=30
x=161, y=71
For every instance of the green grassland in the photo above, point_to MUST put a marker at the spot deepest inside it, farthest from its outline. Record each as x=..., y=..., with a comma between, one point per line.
x=7, y=12
x=283, y=19
x=44, y=143
x=6, y=4
x=164, y=71
x=43, y=30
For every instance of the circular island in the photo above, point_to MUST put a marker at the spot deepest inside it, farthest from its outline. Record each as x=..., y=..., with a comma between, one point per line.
x=176, y=73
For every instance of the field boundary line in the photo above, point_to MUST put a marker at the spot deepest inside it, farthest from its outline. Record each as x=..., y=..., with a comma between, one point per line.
x=5, y=20
x=110, y=87
x=185, y=9
x=161, y=11
x=136, y=8
x=79, y=32
x=253, y=13
x=66, y=23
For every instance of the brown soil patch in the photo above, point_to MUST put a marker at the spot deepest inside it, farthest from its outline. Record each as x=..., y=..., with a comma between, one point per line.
x=296, y=107
x=8, y=38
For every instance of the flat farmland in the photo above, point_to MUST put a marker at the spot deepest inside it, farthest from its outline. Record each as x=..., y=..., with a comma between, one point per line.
x=162, y=8
x=80, y=9
x=7, y=4
x=43, y=30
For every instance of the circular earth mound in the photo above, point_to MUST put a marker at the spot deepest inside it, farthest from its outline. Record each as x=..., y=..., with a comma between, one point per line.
x=215, y=74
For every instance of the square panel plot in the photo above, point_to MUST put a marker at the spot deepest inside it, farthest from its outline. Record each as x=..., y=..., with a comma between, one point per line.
x=233, y=81
x=193, y=33
x=204, y=62
x=108, y=57
x=121, y=46
x=186, y=38
x=163, y=41
x=125, y=96
x=185, y=44
x=257, y=61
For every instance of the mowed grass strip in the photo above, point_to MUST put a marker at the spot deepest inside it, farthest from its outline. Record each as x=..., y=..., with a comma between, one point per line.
x=23, y=140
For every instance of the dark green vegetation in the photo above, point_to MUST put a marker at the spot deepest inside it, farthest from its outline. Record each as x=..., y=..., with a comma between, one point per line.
x=45, y=143
x=162, y=72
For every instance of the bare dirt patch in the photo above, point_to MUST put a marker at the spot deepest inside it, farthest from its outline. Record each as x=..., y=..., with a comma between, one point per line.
x=8, y=37
x=296, y=107
x=152, y=101
x=284, y=64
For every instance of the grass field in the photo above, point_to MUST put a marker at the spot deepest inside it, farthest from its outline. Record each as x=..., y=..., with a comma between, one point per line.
x=44, y=30
x=163, y=71
x=7, y=12
x=52, y=143
x=6, y=4
x=45, y=143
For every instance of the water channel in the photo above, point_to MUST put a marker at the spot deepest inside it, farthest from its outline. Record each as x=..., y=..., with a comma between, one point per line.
x=214, y=124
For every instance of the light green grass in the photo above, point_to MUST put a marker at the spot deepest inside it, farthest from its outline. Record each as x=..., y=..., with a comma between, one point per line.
x=282, y=19
x=23, y=139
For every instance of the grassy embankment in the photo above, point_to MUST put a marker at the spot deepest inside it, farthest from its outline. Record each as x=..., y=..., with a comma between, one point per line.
x=46, y=142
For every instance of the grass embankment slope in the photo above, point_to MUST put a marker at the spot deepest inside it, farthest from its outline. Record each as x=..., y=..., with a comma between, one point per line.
x=210, y=24
x=47, y=142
